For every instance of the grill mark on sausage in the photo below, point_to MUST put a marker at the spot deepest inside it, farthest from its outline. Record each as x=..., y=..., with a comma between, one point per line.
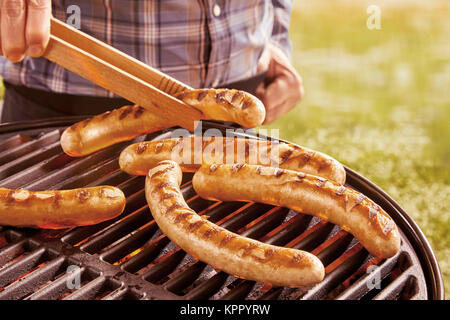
x=341, y=190
x=177, y=142
x=297, y=258
x=259, y=170
x=10, y=196
x=220, y=96
x=388, y=228
x=285, y=156
x=306, y=157
x=141, y=147
x=182, y=95
x=226, y=239
x=214, y=167
x=168, y=195
x=86, y=122
x=220, y=99
x=270, y=252
x=373, y=211
x=248, y=248
x=106, y=192
x=173, y=207
x=192, y=227
x=57, y=199
x=83, y=195
x=236, y=96
x=125, y=112
x=163, y=185
x=279, y=172
x=161, y=172
x=359, y=198
x=324, y=165
x=300, y=176
x=246, y=103
x=238, y=166
x=167, y=162
x=201, y=95
x=106, y=115
x=138, y=112
x=321, y=182
x=158, y=147
x=74, y=126
x=182, y=216
x=210, y=232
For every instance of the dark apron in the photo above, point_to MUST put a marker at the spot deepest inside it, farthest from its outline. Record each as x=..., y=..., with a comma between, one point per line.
x=21, y=103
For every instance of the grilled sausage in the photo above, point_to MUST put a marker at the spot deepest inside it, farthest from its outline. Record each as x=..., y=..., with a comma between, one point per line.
x=129, y=122
x=111, y=127
x=190, y=152
x=226, y=105
x=308, y=194
x=60, y=209
x=230, y=252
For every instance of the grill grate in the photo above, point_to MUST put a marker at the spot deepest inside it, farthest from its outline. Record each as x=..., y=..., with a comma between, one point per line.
x=129, y=258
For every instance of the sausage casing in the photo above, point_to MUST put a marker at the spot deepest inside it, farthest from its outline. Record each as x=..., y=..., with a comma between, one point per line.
x=225, y=250
x=308, y=194
x=191, y=152
x=226, y=105
x=61, y=208
x=111, y=127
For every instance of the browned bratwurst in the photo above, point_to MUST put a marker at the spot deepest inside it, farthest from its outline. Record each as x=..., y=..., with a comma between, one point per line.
x=224, y=250
x=304, y=193
x=226, y=105
x=190, y=152
x=129, y=122
x=60, y=209
x=109, y=128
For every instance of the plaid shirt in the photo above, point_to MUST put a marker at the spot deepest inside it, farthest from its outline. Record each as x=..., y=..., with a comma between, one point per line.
x=200, y=42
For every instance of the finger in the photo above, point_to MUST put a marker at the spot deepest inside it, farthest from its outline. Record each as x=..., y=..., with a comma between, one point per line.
x=260, y=89
x=13, y=29
x=288, y=86
x=276, y=92
x=37, y=30
x=279, y=110
x=280, y=97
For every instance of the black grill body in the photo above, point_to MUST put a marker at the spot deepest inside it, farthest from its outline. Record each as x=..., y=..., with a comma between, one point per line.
x=129, y=258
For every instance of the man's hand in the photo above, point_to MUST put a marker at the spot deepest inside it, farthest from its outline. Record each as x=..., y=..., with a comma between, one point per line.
x=24, y=28
x=282, y=88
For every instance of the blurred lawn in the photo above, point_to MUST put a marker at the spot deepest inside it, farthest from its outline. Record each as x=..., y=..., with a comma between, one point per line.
x=378, y=101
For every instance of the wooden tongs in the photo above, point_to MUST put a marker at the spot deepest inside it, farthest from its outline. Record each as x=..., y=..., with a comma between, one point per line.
x=120, y=73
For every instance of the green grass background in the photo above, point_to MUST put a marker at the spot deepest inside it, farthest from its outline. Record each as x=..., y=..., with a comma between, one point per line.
x=379, y=101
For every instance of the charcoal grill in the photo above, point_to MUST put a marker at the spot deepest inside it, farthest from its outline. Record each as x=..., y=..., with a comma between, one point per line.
x=128, y=258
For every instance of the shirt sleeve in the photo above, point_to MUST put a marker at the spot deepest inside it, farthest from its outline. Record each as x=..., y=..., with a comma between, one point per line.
x=282, y=20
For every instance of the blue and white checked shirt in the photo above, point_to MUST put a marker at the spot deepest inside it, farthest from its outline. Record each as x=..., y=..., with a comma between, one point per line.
x=200, y=42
